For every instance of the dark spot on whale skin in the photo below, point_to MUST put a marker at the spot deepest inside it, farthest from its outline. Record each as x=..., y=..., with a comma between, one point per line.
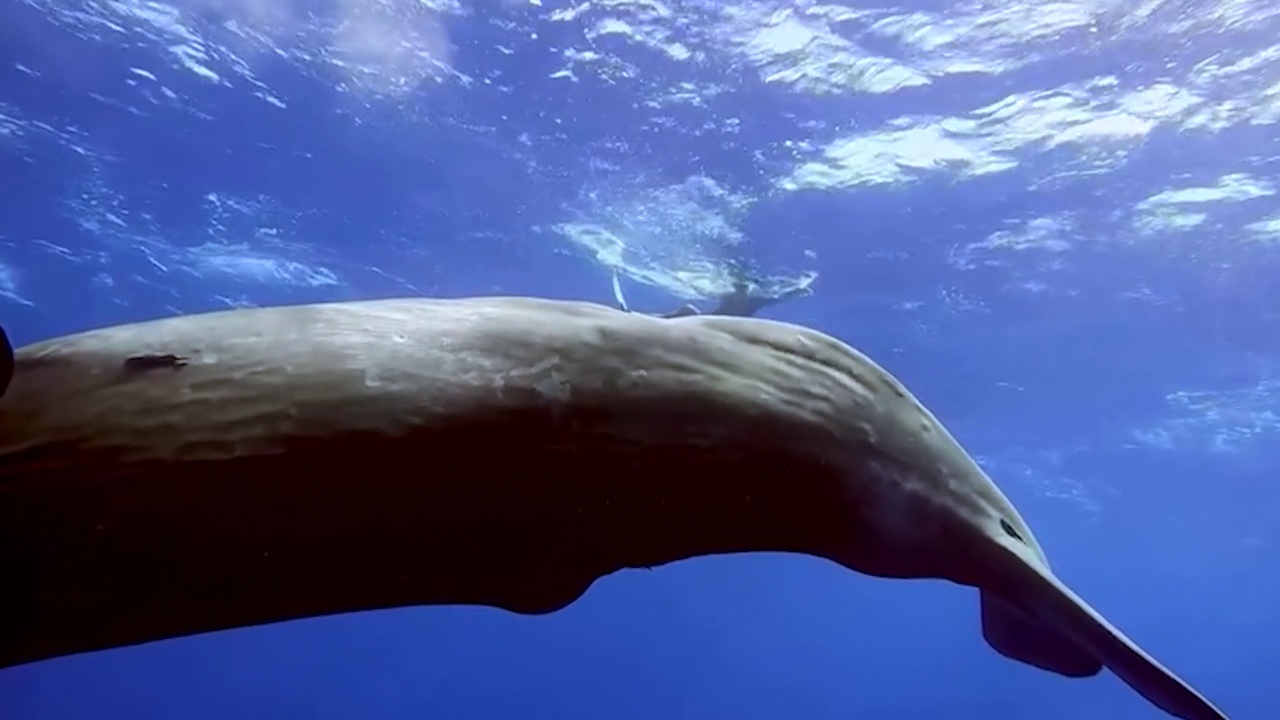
x=142, y=363
x=1008, y=529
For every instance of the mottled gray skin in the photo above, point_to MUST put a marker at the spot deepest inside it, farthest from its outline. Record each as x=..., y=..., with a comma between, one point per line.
x=237, y=468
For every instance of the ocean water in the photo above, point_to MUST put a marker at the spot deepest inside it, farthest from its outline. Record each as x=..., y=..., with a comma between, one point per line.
x=1057, y=223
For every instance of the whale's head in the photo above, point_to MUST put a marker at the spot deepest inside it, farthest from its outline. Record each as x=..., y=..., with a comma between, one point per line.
x=935, y=513
x=919, y=506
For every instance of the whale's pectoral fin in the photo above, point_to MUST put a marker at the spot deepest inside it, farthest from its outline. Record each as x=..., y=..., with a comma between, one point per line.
x=1018, y=636
x=1054, y=604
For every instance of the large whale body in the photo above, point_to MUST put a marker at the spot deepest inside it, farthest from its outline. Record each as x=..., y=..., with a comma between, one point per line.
x=236, y=468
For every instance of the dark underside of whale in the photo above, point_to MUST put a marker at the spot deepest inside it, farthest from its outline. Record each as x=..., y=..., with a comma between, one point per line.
x=105, y=554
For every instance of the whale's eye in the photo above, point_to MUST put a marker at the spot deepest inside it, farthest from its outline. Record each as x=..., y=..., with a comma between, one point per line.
x=1008, y=529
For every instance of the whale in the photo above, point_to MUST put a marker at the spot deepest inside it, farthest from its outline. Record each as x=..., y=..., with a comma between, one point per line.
x=234, y=468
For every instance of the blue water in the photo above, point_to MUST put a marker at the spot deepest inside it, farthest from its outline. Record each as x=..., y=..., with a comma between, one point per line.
x=1111, y=354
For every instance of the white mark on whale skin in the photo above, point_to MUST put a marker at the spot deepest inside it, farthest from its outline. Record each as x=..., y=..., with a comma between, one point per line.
x=555, y=386
x=635, y=378
x=544, y=378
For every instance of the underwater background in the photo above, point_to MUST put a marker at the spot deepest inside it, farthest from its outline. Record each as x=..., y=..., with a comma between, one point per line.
x=1056, y=222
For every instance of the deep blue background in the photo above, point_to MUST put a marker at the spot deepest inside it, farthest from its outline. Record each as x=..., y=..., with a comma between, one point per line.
x=435, y=193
